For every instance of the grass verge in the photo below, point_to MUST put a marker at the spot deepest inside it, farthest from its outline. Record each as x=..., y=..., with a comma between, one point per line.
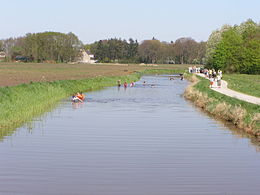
x=244, y=115
x=19, y=104
x=248, y=84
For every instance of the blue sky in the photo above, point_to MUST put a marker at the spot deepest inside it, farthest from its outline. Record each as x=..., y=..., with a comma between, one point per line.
x=93, y=20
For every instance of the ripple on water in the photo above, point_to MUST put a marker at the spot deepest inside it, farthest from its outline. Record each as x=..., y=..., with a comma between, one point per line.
x=142, y=140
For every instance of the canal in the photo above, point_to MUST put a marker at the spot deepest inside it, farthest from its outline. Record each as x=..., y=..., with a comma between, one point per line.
x=143, y=140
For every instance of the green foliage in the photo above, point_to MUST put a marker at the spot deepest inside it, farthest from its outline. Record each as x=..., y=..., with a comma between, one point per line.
x=52, y=46
x=228, y=52
x=149, y=51
x=236, y=49
x=46, y=46
x=60, y=47
x=16, y=50
x=212, y=43
x=183, y=51
x=115, y=50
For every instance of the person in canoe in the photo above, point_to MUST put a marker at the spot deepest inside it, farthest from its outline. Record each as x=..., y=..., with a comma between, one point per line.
x=78, y=97
x=74, y=98
x=81, y=96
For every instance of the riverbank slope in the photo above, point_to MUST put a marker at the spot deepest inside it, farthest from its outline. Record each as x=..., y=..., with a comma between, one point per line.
x=242, y=114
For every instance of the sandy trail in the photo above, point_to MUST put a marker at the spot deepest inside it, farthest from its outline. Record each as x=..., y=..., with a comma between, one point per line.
x=229, y=92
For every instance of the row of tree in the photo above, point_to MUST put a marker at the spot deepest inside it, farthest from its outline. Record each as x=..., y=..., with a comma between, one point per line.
x=60, y=47
x=232, y=49
x=235, y=49
x=115, y=50
x=182, y=51
x=46, y=46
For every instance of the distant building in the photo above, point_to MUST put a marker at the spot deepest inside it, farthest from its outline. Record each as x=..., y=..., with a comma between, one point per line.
x=86, y=57
x=2, y=55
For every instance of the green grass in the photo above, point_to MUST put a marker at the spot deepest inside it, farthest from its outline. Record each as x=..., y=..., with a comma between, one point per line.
x=20, y=104
x=248, y=84
x=203, y=86
x=216, y=98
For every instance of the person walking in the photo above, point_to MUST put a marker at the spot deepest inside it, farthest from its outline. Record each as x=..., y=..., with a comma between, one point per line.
x=219, y=81
x=210, y=73
x=211, y=81
x=220, y=73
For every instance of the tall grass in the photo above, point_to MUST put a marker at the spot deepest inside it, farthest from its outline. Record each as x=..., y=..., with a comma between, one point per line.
x=242, y=114
x=21, y=103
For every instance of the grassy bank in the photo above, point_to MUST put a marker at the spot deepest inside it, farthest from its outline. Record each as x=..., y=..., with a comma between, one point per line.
x=248, y=84
x=244, y=115
x=19, y=104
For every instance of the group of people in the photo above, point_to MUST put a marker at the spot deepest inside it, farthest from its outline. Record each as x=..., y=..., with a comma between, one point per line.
x=78, y=97
x=212, y=73
x=132, y=84
x=181, y=77
x=194, y=69
x=213, y=76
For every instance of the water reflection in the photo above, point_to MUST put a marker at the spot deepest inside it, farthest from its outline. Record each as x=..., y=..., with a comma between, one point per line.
x=77, y=105
x=231, y=128
x=142, y=140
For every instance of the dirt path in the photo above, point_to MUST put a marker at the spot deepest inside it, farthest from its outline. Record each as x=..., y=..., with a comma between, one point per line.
x=229, y=92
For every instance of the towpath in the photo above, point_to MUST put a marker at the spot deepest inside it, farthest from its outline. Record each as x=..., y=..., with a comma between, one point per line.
x=229, y=92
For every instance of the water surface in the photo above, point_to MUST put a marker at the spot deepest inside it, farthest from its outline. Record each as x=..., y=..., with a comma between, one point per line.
x=145, y=140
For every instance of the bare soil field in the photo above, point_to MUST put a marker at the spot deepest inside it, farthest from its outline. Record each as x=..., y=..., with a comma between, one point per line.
x=12, y=74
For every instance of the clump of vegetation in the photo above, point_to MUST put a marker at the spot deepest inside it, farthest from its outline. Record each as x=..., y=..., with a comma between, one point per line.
x=242, y=114
x=45, y=46
x=235, y=49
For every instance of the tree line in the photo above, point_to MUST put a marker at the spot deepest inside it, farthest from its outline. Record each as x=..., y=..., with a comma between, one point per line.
x=235, y=49
x=114, y=50
x=182, y=51
x=60, y=47
x=46, y=46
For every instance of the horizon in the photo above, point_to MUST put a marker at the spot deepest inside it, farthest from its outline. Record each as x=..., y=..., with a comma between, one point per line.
x=119, y=38
x=140, y=20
